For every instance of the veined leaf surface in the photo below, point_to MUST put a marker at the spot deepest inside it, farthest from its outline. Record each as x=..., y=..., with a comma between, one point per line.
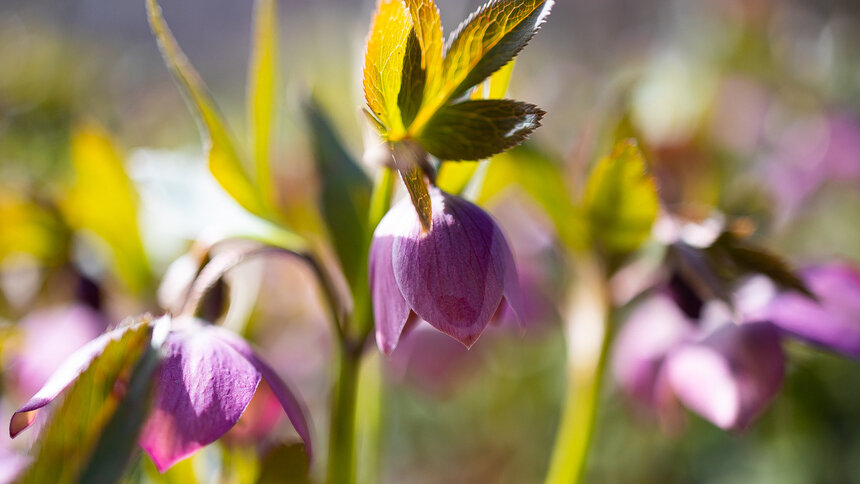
x=383, y=62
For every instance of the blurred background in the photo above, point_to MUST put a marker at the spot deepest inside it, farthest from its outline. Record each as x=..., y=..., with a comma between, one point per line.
x=749, y=107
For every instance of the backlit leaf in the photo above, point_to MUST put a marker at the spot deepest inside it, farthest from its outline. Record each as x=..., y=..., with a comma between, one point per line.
x=621, y=200
x=262, y=89
x=484, y=43
x=224, y=160
x=102, y=200
x=410, y=159
x=428, y=29
x=67, y=442
x=383, y=62
x=477, y=129
x=412, y=84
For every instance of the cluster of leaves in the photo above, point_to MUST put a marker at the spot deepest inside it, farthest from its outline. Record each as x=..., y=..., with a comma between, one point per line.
x=417, y=90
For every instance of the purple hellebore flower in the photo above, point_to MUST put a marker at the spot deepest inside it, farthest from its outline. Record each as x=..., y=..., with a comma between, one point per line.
x=730, y=376
x=832, y=322
x=725, y=372
x=206, y=380
x=455, y=277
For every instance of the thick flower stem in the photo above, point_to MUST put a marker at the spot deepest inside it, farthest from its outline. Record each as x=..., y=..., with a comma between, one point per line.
x=588, y=336
x=341, y=459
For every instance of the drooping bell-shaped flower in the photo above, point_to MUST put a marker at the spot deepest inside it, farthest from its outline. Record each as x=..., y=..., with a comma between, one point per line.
x=831, y=322
x=206, y=380
x=454, y=276
x=731, y=375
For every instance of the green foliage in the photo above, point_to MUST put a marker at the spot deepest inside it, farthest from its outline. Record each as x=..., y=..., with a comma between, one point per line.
x=621, y=200
x=477, y=129
x=66, y=445
x=102, y=200
x=224, y=159
x=262, y=90
x=286, y=464
x=344, y=195
x=409, y=158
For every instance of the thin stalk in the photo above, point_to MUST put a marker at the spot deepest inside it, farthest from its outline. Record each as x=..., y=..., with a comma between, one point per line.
x=341, y=458
x=588, y=336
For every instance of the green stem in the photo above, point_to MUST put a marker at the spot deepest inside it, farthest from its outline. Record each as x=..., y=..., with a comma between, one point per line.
x=341, y=458
x=588, y=342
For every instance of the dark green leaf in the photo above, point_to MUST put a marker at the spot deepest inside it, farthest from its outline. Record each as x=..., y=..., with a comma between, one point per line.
x=743, y=257
x=414, y=77
x=477, y=129
x=344, y=195
x=67, y=443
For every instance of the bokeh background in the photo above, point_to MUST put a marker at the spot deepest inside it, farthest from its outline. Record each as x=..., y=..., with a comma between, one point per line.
x=751, y=107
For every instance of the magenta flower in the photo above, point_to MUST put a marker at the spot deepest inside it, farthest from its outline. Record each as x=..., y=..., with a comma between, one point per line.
x=832, y=322
x=455, y=277
x=727, y=373
x=207, y=378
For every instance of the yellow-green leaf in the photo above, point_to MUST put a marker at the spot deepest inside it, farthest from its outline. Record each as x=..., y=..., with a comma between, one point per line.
x=262, y=90
x=621, y=200
x=102, y=201
x=383, y=63
x=64, y=446
x=484, y=43
x=410, y=158
x=224, y=160
x=428, y=29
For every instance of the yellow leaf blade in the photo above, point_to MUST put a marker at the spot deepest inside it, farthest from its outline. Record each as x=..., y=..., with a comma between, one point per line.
x=428, y=27
x=383, y=62
x=262, y=90
x=224, y=161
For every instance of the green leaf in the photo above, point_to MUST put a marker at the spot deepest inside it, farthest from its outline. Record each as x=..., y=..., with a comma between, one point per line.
x=477, y=129
x=621, y=200
x=67, y=443
x=344, y=195
x=118, y=441
x=410, y=159
x=383, y=63
x=542, y=179
x=262, y=90
x=486, y=41
x=102, y=200
x=412, y=84
x=224, y=161
x=428, y=28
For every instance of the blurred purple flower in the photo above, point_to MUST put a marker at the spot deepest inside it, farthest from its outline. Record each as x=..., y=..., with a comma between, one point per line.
x=725, y=372
x=205, y=382
x=12, y=465
x=50, y=336
x=730, y=376
x=455, y=277
x=832, y=322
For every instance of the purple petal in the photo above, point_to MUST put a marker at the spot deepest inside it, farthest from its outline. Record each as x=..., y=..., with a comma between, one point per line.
x=731, y=376
x=292, y=406
x=831, y=322
x=65, y=375
x=390, y=311
x=204, y=386
x=653, y=329
x=512, y=291
x=453, y=277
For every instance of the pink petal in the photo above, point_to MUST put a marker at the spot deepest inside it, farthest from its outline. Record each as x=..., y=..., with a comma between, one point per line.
x=204, y=386
x=454, y=276
x=390, y=311
x=65, y=375
x=292, y=406
x=731, y=376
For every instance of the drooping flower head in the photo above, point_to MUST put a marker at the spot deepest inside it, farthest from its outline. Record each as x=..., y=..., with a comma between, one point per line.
x=454, y=276
x=206, y=380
